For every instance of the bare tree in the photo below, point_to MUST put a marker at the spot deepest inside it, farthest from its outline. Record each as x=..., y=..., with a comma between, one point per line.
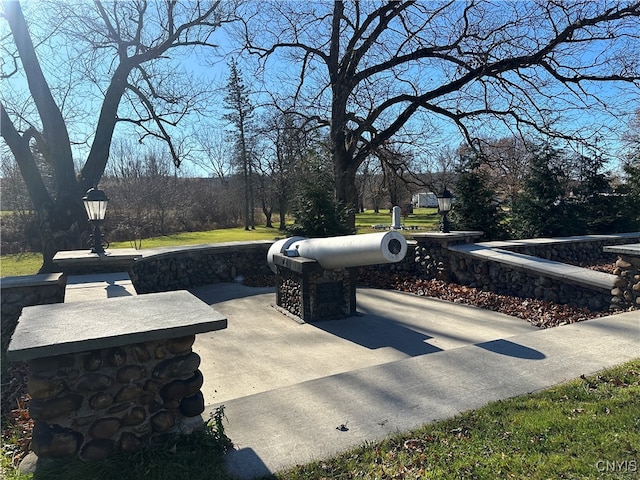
x=124, y=49
x=216, y=153
x=286, y=145
x=440, y=169
x=370, y=71
x=371, y=185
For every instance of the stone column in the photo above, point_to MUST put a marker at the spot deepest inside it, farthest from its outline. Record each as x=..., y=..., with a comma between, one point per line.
x=110, y=374
x=626, y=290
x=433, y=256
x=310, y=293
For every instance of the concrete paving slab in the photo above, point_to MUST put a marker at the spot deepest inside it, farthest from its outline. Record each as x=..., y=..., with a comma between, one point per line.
x=403, y=362
x=81, y=288
x=263, y=349
x=299, y=423
x=295, y=393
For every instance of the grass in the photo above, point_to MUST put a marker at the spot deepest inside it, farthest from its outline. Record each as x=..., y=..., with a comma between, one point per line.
x=424, y=218
x=20, y=264
x=29, y=263
x=211, y=236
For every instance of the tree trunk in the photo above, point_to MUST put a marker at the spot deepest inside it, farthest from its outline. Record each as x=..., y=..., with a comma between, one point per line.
x=63, y=226
x=282, y=210
x=268, y=212
x=252, y=201
x=344, y=169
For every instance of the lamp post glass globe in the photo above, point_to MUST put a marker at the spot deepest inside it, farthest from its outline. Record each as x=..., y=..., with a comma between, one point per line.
x=95, y=203
x=444, y=206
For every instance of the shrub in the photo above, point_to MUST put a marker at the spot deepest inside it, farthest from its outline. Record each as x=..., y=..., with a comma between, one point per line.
x=317, y=213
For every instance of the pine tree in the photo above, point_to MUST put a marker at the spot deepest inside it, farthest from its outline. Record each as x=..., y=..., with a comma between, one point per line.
x=240, y=114
x=539, y=211
x=476, y=207
x=316, y=212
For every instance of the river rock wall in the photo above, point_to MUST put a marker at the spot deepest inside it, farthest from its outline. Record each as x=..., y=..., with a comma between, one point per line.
x=94, y=403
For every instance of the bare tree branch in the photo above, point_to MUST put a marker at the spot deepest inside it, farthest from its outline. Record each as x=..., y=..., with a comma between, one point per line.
x=379, y=65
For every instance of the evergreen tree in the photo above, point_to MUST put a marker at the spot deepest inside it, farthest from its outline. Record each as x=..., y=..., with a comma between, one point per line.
x=316, y=211
x=630, y=193
x=540, y=209
x=240, y=114
x=593, y=209
x=476, y=206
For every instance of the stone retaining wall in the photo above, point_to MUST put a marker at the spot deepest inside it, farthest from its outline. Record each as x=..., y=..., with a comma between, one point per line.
x=572, y=250
x=429, y=257
x=162, y=270
x=93, y=403
x=24, y=291
x=506, y=279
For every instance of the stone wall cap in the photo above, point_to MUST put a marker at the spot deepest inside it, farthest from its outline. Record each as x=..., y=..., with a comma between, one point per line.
x=632, y=249
x=38, y=280
x=186, y=249
x=67, y=257
x=543, y=266
x=559, y=240
x=63, y=328
x=449, y=235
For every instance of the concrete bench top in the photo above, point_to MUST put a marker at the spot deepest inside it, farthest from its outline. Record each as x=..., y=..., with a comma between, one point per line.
x=557, y=240
x=38, y=280
x=632, y=249
x=539, y=265
x=63, y=328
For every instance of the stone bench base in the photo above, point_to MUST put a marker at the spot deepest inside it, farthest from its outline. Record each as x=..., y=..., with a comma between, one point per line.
x=27, y=290
x=108, y=375
x=505, y=271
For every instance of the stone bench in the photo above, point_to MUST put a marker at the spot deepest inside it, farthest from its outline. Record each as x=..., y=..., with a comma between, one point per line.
x=539, y=265
x=107, y=375
x=554, y=274
x=26, y=290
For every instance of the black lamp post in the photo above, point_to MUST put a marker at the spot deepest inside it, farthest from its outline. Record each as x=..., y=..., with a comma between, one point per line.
x=95, y=203
x=444, y=206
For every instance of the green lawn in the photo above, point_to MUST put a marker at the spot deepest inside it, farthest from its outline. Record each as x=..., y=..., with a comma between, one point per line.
x=425, y=219
x=211, y=236
x=20, y=264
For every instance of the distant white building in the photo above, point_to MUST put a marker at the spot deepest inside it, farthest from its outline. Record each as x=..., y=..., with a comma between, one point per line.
x=425, y=199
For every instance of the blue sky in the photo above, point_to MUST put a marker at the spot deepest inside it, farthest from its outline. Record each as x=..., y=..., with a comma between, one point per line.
x=81, y=104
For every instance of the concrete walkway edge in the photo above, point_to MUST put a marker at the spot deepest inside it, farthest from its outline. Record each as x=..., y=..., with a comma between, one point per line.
x=300, y=423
